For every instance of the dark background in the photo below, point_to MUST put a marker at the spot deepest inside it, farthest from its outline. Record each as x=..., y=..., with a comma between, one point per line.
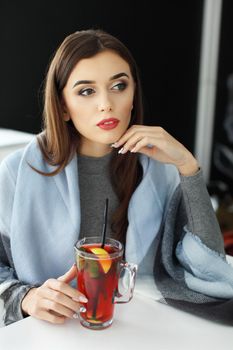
x=163, y=36
x=225, y=69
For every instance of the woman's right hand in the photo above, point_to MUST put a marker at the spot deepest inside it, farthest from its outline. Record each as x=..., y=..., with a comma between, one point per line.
x=55, y=300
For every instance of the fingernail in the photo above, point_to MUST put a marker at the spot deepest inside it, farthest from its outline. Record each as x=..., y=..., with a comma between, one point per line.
x=82, y=309
x=115, y=145
x=81, y=299
x=133, y=150
x=121, y=150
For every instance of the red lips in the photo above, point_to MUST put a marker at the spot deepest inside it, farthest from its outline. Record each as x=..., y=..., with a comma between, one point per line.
x=108, y=124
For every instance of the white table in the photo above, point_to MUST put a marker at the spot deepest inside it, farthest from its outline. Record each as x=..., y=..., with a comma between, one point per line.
x=141, y=324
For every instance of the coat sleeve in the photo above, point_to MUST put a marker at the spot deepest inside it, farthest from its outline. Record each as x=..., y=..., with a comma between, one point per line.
x=202, y=220
x=190, y=270
x=12, y=290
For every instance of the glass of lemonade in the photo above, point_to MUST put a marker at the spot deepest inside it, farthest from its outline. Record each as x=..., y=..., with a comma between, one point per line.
x=104, y=278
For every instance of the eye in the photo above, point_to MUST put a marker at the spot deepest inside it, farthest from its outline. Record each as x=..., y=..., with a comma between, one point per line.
x=119, y=86
x=86, y=92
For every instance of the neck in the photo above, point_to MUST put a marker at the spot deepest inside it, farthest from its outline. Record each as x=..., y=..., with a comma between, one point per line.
x=94, y=149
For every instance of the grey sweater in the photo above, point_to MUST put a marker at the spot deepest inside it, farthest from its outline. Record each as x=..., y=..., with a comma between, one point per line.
x=95, y=186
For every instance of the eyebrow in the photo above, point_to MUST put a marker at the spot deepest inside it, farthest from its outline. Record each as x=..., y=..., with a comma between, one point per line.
x=116, y=76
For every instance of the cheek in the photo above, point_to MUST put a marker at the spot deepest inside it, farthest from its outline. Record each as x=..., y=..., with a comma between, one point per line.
x=126, y=103
x=79, y=108
x=128, y=109
x=81, y=124
x=80, y=114
x=125, y=116
x=125, y=111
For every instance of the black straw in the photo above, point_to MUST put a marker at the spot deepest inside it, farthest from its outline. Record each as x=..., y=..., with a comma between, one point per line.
x=105, y=223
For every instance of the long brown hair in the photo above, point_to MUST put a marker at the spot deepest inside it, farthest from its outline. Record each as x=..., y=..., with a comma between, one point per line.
x=59, y=140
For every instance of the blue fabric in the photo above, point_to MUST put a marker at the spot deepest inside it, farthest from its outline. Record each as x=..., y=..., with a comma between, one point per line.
x=205, y=270
x=41, y=217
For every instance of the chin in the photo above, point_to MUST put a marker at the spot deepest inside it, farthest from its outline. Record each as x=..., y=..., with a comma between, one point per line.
x=110, y=138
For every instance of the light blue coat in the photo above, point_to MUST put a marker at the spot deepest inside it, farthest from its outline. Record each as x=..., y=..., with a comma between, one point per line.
x=41, y=215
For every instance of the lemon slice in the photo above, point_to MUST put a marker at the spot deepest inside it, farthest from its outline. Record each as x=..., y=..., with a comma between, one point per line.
x=104, y=257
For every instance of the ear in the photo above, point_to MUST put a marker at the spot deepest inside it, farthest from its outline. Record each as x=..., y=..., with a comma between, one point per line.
x=66, y=115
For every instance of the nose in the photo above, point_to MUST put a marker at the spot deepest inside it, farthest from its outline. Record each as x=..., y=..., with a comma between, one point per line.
x=105, y=105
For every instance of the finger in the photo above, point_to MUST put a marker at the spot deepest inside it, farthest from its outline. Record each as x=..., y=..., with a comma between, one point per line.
x=62, y=299
x=129, y=133
x=147, y=144
x=138, y=129
x=131, y=143
x=52, y=318
x=50, y=305
x=66, y=289
x=69, y=275
x=149, y=152
x=160, y=151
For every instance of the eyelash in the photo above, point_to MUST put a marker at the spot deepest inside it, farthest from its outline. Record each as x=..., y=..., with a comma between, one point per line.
x=82, y=91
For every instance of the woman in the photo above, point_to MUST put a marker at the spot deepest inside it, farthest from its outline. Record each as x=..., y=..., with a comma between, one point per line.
x=94, y=145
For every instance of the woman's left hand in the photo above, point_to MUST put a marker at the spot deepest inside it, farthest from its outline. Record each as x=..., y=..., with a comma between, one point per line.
x=158, y=144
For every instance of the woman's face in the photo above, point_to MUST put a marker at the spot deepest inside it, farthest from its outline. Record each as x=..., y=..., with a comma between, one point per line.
x=98, y=98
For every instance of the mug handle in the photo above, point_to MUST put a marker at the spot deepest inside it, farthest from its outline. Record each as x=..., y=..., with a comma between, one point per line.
x=127, y=278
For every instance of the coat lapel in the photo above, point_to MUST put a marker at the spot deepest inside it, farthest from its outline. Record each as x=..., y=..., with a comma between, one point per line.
x=68, y=185
x=144, y=216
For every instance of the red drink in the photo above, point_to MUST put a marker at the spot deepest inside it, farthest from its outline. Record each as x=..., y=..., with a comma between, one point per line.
x=98, y=273
x=97, y=276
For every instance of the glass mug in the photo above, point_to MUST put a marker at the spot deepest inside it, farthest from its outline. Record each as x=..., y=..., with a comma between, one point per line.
x=104, y=278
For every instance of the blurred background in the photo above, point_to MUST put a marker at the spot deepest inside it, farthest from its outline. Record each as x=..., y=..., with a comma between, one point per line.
x=165, y=42
x=185, y=56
